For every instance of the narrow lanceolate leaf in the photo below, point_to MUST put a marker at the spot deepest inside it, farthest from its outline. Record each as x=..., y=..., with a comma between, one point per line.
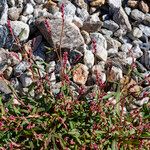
x=2, y=106
x=114, y=145
x=118, y=95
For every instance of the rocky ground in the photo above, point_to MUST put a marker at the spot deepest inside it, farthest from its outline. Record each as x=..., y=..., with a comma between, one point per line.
x=96, y=36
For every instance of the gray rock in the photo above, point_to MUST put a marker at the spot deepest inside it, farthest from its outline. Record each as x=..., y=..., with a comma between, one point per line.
x=81, y=3
x=38, y=12
x=92, y=24
x=28, y=9
x=99, y=38
x=77, y=21
x=121, y=18
x=119, y=33
x=137, y=53
x=14, y=13
x=15, y=83
x=127, y=10
x=88, y=58
x=71, y=36
x=3, y=60
x=4, y=87
x=8, y=72
x=40, y=51
x=25, y=80
x=126, y=47
x=3, y=35
x=112, y=43
x=110, y=25
x=82, y=13
x=145, y=59
x=39, y=1
x=106, y=32
x=21, y=67
x=114, y=4
x=69, y=9
x=11, y=3
x=19, y=3
x=137, y=15
x=145, y=30
x=20, y=29
x=147, y=19
x=3, y=12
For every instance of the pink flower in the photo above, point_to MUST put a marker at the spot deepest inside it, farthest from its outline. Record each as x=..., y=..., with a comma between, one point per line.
x=62, y=11
x=12, y=117
x=47, y=25
x=94, y=45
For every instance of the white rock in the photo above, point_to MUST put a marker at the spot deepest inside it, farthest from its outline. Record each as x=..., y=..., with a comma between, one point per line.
x=115, y=3
x=99, y=38
x=77, y=21
x=23, y=18
x=20, y=27
x=145, y=30
x=101, y=53
x=137, y=53
x=28, y=9
x=126, y=47
x=88, y=58
x=137, y=32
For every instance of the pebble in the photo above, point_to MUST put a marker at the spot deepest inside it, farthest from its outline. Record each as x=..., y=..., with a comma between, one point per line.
x=28, y=9
x=3, y=12
x=3, y=35
x=25, y=80
x=21, y=67
x=137, y=32
x=110, y=25
x=4, y=86
x=121, y=18
x=77, y=21
x=101, y=53
x=71, y=38
x=82, y=13
x=14, y=13
x=144, y=6
x=20, y=29
x=86, y=37
x=115, y=74
x=88, y=58
x=145, y=30
x=137, y=15
x=3, y=60
x=92, y=24
x=80, y=74
x=99, y=38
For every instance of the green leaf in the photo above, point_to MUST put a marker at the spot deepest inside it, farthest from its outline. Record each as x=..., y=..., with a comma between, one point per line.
x=2, y=106
x=114, y=145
